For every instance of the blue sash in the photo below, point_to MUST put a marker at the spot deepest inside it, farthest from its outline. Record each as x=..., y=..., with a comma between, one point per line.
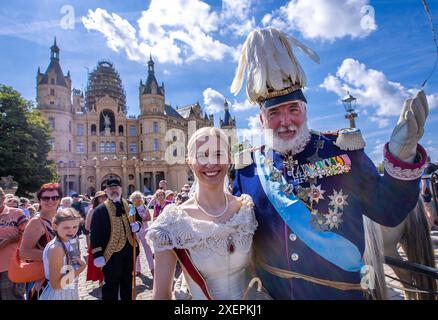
x=329, y=245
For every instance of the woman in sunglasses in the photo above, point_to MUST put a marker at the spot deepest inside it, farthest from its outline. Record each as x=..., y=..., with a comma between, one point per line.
x=39, y=232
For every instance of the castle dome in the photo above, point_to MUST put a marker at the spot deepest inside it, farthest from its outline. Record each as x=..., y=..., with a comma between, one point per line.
x=105, y=80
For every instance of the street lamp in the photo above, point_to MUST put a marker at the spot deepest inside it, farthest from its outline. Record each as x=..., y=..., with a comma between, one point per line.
x=349, y=103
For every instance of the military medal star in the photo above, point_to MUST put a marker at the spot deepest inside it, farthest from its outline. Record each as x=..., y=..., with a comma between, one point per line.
x=338, y=200
x=315, y=193
x=333, y=219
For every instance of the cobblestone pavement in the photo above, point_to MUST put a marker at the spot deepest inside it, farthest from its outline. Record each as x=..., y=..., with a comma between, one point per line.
x=90, y=290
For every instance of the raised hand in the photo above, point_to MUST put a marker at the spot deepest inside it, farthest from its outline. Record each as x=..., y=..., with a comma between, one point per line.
x=410, y=128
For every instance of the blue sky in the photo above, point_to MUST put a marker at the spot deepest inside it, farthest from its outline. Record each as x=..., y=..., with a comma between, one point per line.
x=379, y=50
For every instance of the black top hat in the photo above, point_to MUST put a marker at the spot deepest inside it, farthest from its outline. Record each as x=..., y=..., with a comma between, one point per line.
x=113, y=183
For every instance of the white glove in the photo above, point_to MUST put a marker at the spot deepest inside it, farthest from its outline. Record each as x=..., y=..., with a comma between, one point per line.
x=409, y=129
x=135, y=227
x=99, y=262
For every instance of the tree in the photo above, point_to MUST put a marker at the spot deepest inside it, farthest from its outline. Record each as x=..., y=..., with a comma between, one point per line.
x=24, y=143
x=381, y=168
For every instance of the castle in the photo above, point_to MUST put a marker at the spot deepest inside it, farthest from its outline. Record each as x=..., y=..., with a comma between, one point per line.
x=93, y=138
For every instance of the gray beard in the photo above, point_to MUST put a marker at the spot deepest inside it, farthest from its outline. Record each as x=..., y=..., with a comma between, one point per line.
x=114, y=198
x=294, y=145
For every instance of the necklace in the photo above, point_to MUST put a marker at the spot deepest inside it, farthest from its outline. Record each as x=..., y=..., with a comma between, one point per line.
x=211, y=215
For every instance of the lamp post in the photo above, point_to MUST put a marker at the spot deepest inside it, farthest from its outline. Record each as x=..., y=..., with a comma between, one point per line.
x=349, y=103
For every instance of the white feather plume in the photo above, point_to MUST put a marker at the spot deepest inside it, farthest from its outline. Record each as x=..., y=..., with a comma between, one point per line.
x=268, y=57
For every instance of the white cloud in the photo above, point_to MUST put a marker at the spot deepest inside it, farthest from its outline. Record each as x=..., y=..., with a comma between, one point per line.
x=381, y=122
x=118, y=32
x=243, y=106
x=237, y=15
x=324, y=19
x=174, y=31
x=213, y=101
x=377, y=152
x=372, y=89
x=254, y=132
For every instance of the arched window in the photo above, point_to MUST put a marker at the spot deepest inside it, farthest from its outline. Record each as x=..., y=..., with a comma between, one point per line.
x=52, y=122
x=121, y=147
x=120, y=130
x=93, y=147
x=93, y=130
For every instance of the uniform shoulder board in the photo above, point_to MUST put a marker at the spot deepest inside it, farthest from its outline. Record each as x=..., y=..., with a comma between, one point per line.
x=243, y=158
x=350, y=139
x=331, y=133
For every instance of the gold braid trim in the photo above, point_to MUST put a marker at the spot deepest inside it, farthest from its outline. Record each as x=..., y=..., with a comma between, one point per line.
x=279, y=93
x=286, y=274
x=120, y=229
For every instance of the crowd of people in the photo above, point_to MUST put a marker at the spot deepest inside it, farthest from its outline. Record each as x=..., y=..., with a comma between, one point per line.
x=46, y=231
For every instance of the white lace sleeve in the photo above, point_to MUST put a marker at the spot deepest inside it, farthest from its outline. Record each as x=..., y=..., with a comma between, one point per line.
x=163, y=231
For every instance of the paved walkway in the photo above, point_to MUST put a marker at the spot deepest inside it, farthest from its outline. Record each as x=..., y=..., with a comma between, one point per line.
x=90, y=290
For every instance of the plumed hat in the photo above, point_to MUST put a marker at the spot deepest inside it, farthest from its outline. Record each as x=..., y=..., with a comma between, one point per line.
x=274, y=76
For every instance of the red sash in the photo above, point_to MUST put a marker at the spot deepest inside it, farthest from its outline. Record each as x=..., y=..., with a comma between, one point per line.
x=187, y=263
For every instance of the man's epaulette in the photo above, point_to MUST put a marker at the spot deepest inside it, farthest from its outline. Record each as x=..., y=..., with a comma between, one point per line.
x=244, y=158
x=349, y=139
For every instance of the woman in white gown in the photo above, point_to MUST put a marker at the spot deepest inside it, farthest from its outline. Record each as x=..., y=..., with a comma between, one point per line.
x=214, y=226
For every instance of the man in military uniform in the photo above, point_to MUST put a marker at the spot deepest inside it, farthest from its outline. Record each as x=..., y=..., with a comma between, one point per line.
x=311, y=189
x=112, y=236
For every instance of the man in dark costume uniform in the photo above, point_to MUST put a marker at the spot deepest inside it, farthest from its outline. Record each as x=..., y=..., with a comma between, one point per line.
x=112, y=236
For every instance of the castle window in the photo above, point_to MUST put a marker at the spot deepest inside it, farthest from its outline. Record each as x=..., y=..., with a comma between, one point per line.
x=132, y=130
x=93, y=147
x=102, y=147
x=52, y=122
x=175, y=152
x=141, y=146
x=80, y=129
x=141, y=128
x=93, y=129
x=113, y=147
x=52, y=92
x=120, y=130
x=80, y=148
x=156, y=145
x=121, y=146
x=155, y=127
x=52, y=144
x=132, y=148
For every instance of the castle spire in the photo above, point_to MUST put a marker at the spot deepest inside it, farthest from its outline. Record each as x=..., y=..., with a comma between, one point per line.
x=151, y=65
x=55, y=51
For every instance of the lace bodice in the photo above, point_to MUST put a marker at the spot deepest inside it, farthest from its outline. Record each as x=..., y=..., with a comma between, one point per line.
x=208, y=244
x=174, y=228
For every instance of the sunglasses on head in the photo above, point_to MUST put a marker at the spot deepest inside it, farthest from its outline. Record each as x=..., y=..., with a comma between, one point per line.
x=54, y=198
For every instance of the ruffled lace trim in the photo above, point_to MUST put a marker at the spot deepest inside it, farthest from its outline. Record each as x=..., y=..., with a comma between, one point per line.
x=174, y=228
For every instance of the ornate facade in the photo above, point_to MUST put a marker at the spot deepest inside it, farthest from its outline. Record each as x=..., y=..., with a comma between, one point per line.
x=93, y=138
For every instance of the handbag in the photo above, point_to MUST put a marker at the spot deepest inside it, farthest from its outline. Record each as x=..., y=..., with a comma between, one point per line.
x=256, y=293
x=20, y=271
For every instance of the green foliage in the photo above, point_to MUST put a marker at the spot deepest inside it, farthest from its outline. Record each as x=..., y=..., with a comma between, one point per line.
x=381, y=168
x=24, y=143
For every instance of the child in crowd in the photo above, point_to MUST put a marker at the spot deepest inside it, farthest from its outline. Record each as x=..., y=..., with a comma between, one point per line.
x=62, y=258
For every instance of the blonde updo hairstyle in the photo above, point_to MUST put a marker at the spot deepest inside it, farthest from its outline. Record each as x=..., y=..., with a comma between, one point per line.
x=201, y=135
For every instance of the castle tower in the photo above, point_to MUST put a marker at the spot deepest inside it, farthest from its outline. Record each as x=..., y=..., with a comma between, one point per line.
x=151, y=95
x=54, y=102
x=229, y=125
